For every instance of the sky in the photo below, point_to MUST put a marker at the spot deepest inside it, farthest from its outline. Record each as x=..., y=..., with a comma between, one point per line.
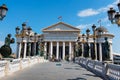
x=40, y=14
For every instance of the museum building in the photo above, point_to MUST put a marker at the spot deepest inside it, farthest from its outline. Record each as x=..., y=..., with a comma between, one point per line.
x=63, y=41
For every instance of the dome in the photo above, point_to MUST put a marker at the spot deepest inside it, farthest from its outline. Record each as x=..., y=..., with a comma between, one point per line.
x=102, y=29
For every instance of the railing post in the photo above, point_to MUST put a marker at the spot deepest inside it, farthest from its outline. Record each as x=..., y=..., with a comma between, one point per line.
x=7, y=68
x=105, y=70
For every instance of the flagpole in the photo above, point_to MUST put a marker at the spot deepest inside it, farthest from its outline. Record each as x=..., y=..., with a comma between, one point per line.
x=60, y=18
x=99, y=22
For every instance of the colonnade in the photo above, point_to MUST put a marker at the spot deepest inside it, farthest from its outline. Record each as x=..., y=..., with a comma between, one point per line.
x=57, y=45
x=25, y=47
x=23, y=52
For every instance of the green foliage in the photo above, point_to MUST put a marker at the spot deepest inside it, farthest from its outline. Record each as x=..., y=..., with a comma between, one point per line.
x=5, y=51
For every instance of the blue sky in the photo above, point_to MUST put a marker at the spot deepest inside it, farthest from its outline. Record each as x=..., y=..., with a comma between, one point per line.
x=42, y=13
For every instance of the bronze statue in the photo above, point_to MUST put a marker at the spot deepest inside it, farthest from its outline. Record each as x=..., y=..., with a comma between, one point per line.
x=6, y=50
x=86, y=50
x=107, y=49
x=8, y=40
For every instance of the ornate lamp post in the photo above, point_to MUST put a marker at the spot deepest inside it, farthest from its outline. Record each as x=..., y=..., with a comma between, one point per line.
x=83, y=36
x=22, y=35
x=114, y=16
x=87, y=32
x=3, y=11
x=83, y=41
x=35, y=40
x=87, y=44
x=94, y=38
x=77, y=47
x=41, y=47
x=17, y=30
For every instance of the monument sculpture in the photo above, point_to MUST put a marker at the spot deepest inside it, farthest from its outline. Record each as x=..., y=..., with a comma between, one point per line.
x=6, y=50
x=86, y=51
x=107, y=49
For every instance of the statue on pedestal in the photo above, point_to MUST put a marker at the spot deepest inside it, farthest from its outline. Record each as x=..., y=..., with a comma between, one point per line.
x=6, y=50
x=107, y=49
x=86, y=50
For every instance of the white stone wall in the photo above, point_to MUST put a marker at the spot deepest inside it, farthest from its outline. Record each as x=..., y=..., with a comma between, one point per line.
x=60, y=36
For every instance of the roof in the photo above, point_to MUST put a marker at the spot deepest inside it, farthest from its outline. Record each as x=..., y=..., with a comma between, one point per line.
x=102, y=29
x=55, y=28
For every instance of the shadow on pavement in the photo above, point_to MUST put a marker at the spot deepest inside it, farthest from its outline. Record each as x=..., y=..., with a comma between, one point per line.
x=79, y=78
x=91, y=75
x=75, y=69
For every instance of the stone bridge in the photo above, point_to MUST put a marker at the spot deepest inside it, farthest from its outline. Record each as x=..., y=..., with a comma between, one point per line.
x=36, y=68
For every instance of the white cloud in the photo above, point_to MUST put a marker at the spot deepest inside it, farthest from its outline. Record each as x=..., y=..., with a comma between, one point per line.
x=87, y=12
x=91, y=12
x=83, y=26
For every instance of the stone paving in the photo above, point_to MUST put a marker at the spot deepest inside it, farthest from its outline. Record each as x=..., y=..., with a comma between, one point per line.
x=53, y=71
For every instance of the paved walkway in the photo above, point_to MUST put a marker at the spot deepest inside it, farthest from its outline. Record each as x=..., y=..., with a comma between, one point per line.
x=53, y=71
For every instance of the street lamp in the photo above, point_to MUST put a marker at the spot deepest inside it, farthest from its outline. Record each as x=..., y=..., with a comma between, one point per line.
x=83, y=41
x=76, y=47
x=35, y=40
x=83, y=36
x=21, y=34
x=94, y=38
x=3, y=11
x=114, y=16
x=17, y=29
x=87, y=32
x=41, y=47
x=87, y=45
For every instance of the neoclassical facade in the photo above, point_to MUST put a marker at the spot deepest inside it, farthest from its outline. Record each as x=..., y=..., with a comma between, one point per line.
x=60, y=41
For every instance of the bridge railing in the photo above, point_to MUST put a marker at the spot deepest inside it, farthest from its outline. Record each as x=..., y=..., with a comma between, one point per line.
x=8, y=67
x=105, y=70
x=113, y=71
x=3, y=68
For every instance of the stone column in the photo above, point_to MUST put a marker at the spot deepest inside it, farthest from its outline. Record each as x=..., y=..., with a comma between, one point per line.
x=25, y=47
x=111, y=55
x=63, y=51
x=57, y=51
x=19, y=50
x=89, y=51
x=34, y=48
x=82, y=49
x=95, y=44
x=45, y=50
x=100, y=51
x=29, y=47
x=70, y=48
x=51, y=46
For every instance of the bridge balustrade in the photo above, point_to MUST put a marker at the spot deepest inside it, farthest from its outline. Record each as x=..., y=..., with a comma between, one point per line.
x=14, y=65
x=2, y=68
x=24, y=63
x=105, y=70
x=113, y=71
x=8, y=67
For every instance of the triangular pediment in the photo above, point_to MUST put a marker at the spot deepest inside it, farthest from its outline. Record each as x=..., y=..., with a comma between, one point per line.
x=60, y=26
